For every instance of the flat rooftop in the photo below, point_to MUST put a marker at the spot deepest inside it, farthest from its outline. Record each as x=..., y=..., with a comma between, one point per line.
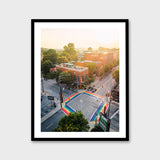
x=74, y=68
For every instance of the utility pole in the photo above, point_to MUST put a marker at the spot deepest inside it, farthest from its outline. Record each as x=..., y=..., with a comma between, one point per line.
x=109, y=100
x=42, y=85
x=60, y=92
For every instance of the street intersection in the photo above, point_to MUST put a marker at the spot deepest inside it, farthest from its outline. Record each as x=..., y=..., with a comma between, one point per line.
x=51, y=88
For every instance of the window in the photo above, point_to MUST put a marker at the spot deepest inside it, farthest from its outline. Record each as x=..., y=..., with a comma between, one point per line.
x=82, y=78
x=78, y=78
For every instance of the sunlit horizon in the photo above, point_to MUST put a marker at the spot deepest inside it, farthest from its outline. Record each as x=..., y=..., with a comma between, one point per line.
x=82, y=38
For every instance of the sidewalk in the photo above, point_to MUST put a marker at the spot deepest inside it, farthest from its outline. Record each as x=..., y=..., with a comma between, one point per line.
x=58, y=107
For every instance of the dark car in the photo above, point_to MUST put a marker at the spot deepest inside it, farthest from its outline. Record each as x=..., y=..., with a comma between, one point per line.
x=94, y=90
x=50, y=97
x=89, y=89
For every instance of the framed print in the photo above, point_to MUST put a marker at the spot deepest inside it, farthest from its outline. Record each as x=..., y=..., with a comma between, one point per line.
x=80, y=80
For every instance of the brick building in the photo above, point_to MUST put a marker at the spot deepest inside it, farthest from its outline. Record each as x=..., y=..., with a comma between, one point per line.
x=79, y=73
x=104, y=58
x=86, y=62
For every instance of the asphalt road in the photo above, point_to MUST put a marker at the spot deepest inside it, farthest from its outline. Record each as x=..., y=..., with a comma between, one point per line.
x=52, y=88
x=105, y=86
x=52, y=122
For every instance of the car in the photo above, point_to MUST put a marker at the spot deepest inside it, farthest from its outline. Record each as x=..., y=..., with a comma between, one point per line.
x=89, y=89
x=50, y=97
x=94, y=90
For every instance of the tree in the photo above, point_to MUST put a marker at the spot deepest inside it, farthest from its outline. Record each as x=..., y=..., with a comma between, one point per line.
x=90, y=49
x=115, y=75
x=66, y=78
x=101, y=71
x=70, y=49
x=57, y=75
x=100, y=49
x=108, y=67
x=92, y=68
x=50, y=55
x=97, y=128
x=90, y=80
x=67, y=55
x=62, y=59
x=74, y=122
x=51, y=75
x=45, y=66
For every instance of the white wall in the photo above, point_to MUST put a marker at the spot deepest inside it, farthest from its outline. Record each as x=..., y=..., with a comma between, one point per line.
x=15, y=78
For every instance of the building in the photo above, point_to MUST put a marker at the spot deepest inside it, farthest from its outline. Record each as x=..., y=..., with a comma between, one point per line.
x=86, y=62
x=104, y=58
x=79, y=73
x=116, y=55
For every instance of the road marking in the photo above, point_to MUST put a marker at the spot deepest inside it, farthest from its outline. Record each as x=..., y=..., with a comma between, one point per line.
x=114, y=114
x=49, y=126
x=103, y=84
x=115, y=102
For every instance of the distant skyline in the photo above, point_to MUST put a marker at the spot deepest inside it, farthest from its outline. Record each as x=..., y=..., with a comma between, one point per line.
x=82, y=38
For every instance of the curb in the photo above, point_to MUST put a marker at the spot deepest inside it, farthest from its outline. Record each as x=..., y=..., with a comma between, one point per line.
x=50, y=114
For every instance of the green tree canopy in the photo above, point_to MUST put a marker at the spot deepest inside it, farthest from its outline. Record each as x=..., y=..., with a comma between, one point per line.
x=70, y=49
x=90, y=80
x=57, y=75
x=116, y=75
x=92, y=68
x=101, y=71
x=62, y=59
x=74, y=122
x=66, y=78
x=90, y=49
x=45, y=66
x=50, y=55
x=97, y=128
x=108, y=67
x=66, y=54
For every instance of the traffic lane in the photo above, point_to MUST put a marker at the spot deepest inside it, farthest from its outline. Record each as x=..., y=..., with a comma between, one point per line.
x=101, y=82
x=52, y=122
x=115, y=123
x=105, y=87
x=113, y=108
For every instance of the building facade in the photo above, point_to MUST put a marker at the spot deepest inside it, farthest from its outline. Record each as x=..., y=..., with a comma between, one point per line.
x=79, y=73
x=104, y=58
x=86, y=62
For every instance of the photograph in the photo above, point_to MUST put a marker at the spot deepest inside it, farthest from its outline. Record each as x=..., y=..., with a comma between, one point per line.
x=80, y=80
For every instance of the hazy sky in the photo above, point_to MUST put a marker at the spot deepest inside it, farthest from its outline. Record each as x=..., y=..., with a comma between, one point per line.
x=82, y=38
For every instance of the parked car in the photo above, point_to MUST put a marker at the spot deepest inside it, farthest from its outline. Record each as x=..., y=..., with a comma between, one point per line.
x=94, y=90
x=50, y=97
x=89, y=88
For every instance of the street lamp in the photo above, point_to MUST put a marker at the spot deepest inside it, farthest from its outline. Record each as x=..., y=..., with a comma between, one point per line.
x=60, y=91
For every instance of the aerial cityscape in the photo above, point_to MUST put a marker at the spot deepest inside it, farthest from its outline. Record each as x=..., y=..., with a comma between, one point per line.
x=79, y=85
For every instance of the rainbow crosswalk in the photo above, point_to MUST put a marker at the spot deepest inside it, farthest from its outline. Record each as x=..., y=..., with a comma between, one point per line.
x=101, y=108
x=66, y=109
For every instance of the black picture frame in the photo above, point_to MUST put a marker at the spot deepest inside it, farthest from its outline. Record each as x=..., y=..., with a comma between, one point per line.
x=33, y=21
